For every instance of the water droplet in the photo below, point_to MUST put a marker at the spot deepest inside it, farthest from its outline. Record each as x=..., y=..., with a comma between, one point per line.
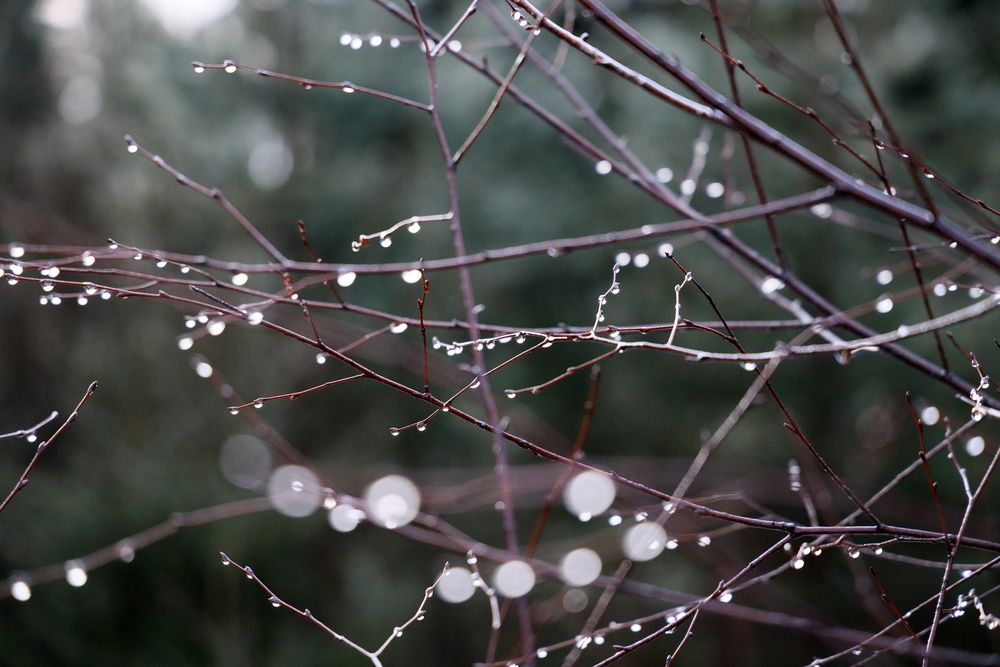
x=393, y=431
x=82, y=301
x=975, y=446
x=664, y=174
x=385, y=241
x=884, y=305
x=87, y=259
x=514, y=579
x=749, y=366
x=20, y=590
x=321, y=358
x=16, y=251
x=930, y=415
x=603, y=167
x=715, y=190
x=398, y=327
x=344, y=518
x=198, y=69
x=771, y=284
x=76, y=575
x=704, y=541
x=414, y=228
x=294, y=491
x=216, y=327
x=259, y=403
x=346, y=279
x=185, y=343
x=644, y=541
x=229, y=66
x=726, y=597
x=822, y=210
x=47, y=286
x=393, y=501
x=883, y=277
x=348, y=90
x=255, y=317
x=240, y=279
x=411, y=276
x=394, y=43
x=510, y=393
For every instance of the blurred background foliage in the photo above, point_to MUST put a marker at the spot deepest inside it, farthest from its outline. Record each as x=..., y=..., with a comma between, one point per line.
x=76, y=75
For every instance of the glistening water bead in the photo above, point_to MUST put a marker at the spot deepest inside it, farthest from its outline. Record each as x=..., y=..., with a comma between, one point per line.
x=456, y=585
x=76, y=575
x=20, y=590
x=514, y=579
